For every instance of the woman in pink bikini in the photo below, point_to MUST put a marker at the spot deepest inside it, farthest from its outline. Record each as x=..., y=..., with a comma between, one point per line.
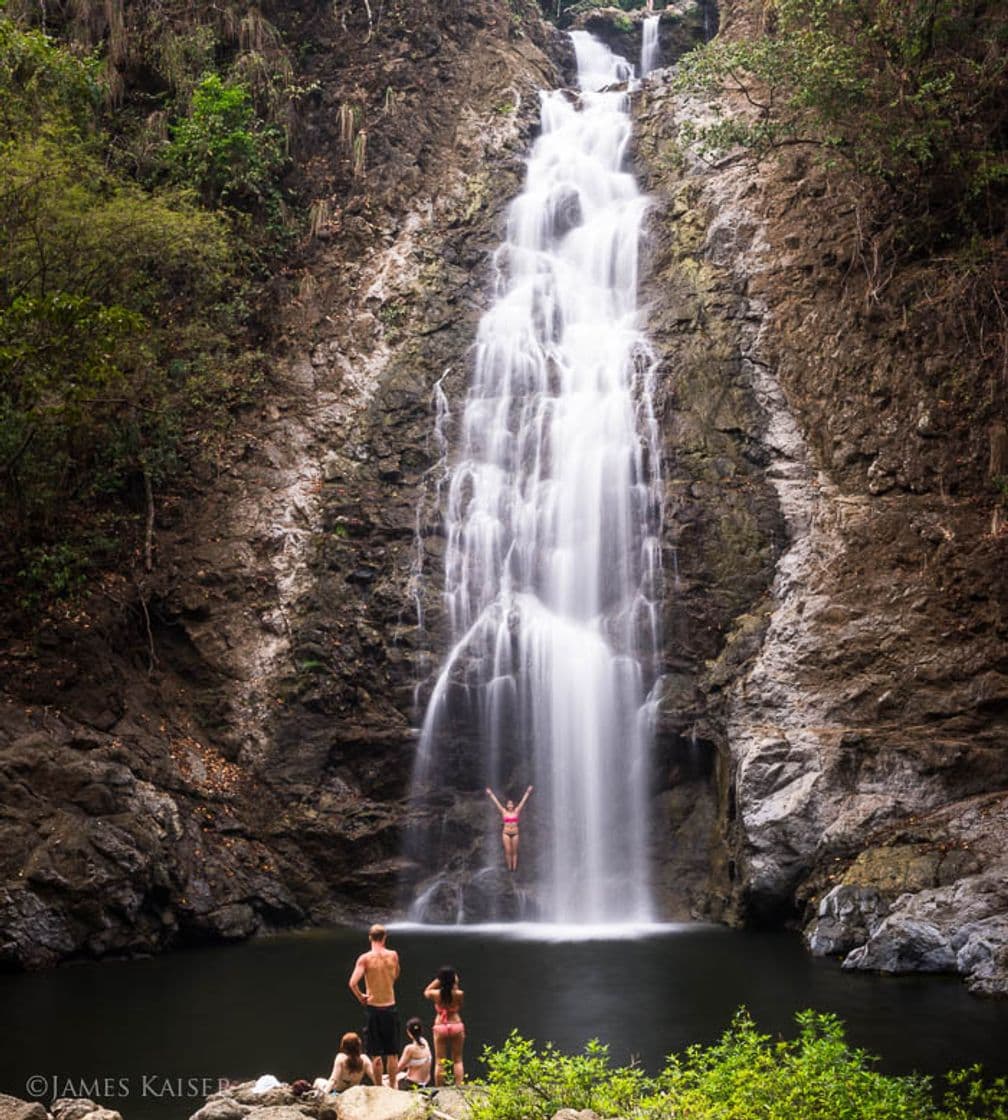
x=449, y=1030
x=509, y=814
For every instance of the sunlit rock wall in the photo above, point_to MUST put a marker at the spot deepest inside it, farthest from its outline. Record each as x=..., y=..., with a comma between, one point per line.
x=855, y=692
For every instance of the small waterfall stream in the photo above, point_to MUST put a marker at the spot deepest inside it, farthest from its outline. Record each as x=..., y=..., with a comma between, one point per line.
x=552, y=571
x=650, y=48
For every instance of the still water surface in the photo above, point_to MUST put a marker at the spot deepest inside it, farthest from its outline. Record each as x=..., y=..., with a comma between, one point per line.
x=279, y=1005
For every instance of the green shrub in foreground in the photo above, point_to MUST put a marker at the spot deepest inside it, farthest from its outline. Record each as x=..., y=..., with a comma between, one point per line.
x=746, y=1075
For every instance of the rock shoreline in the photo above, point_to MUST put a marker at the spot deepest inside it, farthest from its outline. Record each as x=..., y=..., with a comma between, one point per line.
x=281, y=1102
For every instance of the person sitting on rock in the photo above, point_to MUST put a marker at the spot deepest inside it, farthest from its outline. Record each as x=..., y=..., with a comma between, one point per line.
x=350, y=1067
x=415, y=1060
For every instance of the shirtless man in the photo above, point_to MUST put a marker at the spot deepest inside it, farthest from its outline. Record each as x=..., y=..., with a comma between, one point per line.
x=379, y=969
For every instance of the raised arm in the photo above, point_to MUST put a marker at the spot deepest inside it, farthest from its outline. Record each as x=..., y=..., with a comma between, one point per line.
x=521, y=804
x=433, y=990
x=493, y=798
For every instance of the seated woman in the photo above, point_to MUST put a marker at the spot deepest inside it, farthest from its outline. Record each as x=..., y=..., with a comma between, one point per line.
x=350, y=1067
x=415, y=1062
x=449, y=1030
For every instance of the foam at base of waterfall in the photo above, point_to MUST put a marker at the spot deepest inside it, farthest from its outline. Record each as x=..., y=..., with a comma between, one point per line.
x=558, y=932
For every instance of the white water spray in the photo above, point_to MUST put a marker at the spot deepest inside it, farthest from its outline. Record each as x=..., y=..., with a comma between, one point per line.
x=552, y=516
x=649, y=45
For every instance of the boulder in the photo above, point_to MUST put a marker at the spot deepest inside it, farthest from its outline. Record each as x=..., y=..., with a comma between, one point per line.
x=222, y=1107
x=274, y=1096
x=72, y=1108
x=13, y=1108
x=452, y=1102
x=372, y=1102
x=279, y=1112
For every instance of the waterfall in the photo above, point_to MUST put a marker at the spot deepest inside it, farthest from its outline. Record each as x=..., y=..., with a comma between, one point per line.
x=552, y=571
x=649, y=45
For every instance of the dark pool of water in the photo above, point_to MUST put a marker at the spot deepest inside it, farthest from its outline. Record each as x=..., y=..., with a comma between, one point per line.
x=153, y=1030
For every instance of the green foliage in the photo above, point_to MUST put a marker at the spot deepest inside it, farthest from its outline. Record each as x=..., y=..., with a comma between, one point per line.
x=968, y=1095
x=224, y=150
x=100, y=286
x=746, y=1075
x=524, y=1083
x=46, y=84
x=60, y=571
x=909, y=93
x=563, y=11
x=122, y=304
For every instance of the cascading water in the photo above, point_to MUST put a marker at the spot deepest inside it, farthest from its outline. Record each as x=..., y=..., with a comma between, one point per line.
x=649, y=45
x=552, y=514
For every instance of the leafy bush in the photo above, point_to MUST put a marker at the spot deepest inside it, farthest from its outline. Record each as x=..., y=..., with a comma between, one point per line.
x=524, y=1083
x=101, y=286
x=912, y=94
x=46, y=84
x=563, y=11
x=122, y=305
x=746, y=1075
x=224, y=150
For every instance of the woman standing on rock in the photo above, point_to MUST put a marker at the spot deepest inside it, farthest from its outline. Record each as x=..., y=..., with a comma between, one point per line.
x=509, y=814
x=449, y=1030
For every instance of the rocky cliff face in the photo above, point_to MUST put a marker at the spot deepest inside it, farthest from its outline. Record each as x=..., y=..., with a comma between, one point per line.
x=834, y=704
x=856, y=698
x=236, y=755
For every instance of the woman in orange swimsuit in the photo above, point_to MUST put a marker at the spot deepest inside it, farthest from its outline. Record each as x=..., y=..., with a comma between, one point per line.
x=449, y=1030
x=509, y=814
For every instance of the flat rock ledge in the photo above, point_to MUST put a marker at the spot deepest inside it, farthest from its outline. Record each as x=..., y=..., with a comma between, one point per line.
x=363, y=1102
x=63, y=1108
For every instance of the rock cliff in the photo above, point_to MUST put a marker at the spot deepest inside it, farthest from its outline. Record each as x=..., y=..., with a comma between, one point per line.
x=855, y=699
x=834, y=703
x=235, y=756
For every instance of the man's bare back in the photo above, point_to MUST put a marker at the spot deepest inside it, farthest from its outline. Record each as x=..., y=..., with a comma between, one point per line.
x=379, y=968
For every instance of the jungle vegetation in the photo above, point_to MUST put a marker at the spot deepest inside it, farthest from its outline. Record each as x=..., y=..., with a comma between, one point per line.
x=745, y=1075
x=142, y=151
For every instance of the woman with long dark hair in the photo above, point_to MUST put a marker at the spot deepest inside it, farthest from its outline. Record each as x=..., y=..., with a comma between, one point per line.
x=415, y=1061
x=449, y=1030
